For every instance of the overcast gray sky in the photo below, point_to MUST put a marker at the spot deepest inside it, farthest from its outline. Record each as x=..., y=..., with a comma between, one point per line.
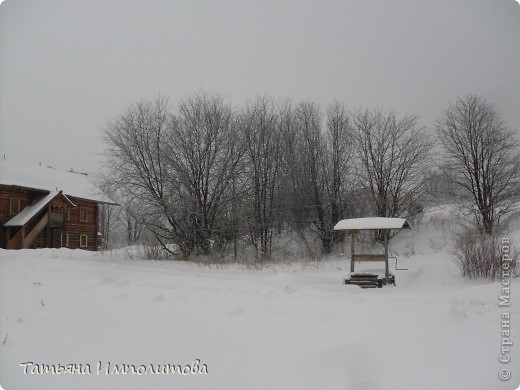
x=68, y=66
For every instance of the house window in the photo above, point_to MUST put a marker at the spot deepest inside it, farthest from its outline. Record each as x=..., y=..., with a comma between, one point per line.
x=83, y=241
x=67, y=239
x=83, y=217
x=14, y=206
x=68, y=214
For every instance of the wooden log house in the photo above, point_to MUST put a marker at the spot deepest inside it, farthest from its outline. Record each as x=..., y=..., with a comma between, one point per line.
x=36, y=213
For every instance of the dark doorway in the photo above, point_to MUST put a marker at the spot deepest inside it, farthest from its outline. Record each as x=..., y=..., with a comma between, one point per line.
x=56, y=238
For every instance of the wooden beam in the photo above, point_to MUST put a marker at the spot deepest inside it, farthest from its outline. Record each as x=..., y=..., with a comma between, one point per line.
x=370, y=257
x=48, y=230
x=64, y=231
x=352, y=249
x=96, y=222
x=387, y=269
x=22, y=237
x=36, y=230
x=14, y=241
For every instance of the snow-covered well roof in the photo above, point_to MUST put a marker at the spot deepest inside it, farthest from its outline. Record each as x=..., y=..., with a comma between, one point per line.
x=372, y=223
x=46, y=178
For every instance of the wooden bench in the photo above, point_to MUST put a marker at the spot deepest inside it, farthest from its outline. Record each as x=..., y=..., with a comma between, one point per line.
x=360, y=257
x=369, y=280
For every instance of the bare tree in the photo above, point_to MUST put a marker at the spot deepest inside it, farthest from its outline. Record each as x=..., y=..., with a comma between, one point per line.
x=260, y=124
x=136, y=166
x=131, y=221
x=303, y=144
x=204, y=150
x=393, y=155
x=318, y=162
x=340, y=151
x=178, y=167
x=482, y=159
x=120, y=224
x=107, y=212
x=106, y=218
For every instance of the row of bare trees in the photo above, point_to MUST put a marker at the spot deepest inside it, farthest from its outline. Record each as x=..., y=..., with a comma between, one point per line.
x=205, y=176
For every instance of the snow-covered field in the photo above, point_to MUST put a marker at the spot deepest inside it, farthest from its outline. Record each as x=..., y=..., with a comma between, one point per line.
x=285, y=327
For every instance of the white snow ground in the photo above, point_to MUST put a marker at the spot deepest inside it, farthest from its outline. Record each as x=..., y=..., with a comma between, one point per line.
x=286, y=327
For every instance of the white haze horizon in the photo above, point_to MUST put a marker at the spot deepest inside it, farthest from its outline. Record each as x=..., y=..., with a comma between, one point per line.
x=68, y=67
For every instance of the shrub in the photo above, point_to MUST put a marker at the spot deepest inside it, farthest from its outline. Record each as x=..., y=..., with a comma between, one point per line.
x=479, y=255
x=147, y=251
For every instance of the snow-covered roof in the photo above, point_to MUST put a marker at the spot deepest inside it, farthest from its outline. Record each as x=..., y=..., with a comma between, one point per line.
x=29, y=212
x=372, y=223
x=46, y=178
